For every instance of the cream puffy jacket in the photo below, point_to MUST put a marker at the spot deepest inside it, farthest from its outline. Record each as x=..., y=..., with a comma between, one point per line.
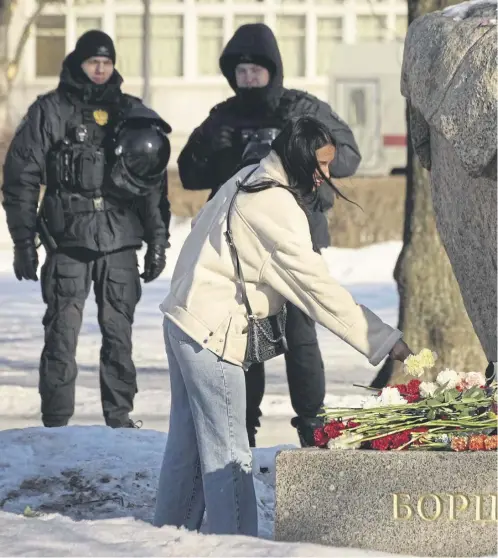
x=271, y=234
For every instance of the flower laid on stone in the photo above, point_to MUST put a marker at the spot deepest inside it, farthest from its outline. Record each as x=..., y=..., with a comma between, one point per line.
x=448, y=378
x=479, y=442
x=471, y=379
x=416, y=365
x=390, y=395
x=427, y=389
x=457, y=412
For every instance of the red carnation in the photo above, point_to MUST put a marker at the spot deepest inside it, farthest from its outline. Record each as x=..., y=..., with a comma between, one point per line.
x=400, y=439
x=334, y=428
x=410, y=391
x=414, y=387
x=320, y=438
x=380, y=444
x=392, y=441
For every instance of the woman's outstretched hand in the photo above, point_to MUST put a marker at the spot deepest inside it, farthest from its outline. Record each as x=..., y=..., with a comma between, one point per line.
x=401, y=351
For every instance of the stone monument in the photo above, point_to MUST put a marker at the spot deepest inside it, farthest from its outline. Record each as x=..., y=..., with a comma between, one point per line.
x=449, y=77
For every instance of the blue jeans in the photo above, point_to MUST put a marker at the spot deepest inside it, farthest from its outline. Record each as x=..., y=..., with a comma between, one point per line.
x=207, y=463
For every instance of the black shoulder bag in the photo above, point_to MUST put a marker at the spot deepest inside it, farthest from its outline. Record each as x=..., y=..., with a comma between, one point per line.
x=265, y=336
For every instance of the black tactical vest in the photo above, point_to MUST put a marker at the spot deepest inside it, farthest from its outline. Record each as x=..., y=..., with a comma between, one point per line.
x=77, y=162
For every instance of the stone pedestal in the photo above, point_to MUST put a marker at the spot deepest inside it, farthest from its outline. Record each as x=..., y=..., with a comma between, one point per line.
x=420, y=503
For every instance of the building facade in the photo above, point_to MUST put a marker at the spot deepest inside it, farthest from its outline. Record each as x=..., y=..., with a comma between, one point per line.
x=187, y=37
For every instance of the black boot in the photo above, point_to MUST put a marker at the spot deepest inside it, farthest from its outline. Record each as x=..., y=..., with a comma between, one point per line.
x=252, y=425
x=251, y=434
x=133, y=424
x=51, y=421
x=490, y=373
x=306, y=428
x=127, y=423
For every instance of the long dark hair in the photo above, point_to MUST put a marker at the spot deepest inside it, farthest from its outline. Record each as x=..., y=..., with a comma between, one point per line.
x=296, y=146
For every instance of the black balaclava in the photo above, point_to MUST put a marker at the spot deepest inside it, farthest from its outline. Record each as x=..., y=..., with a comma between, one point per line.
x=254, y=43
x=92, y=43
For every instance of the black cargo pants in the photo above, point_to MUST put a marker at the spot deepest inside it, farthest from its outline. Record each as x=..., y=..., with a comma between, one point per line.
x=305, y=376
x=66, y=278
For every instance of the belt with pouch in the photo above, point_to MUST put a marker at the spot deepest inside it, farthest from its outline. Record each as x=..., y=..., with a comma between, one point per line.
x=75, y=203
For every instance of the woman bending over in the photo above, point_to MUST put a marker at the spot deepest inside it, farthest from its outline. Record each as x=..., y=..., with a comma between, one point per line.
x=207, y=461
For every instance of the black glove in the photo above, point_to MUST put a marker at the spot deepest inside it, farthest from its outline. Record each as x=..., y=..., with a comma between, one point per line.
x=154, y=262
x=25, y=260
x=224, y=138
x=401, y=351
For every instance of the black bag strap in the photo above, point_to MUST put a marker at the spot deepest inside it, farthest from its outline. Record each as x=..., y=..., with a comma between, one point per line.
x=233, y=250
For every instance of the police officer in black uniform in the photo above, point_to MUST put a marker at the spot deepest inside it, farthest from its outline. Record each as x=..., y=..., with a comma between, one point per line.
x=102, y=156
x=239, y=131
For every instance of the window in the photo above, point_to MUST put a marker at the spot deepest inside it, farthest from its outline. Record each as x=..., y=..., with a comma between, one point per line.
x=370, y=28
x=329, y=33
x=167, y=45
x=291, y=39
x=50, y=45
x=401, y=26
x=240, y=19
x=84, y=24
x=209, y=45
x=129, y=45
x=357, y=110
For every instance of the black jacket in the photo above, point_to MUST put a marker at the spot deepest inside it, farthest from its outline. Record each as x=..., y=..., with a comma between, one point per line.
x=203, y=167
x=25, y=169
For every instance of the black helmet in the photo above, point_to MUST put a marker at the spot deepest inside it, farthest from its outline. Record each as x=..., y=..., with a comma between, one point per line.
x=141, y=152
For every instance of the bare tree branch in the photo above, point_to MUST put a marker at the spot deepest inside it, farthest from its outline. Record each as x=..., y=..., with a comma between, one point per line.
x=5, y=17
x=13, y=64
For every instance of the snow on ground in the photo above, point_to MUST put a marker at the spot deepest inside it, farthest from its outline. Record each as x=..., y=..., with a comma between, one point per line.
x=90, y=490
x=66, y=474
x=461, y=11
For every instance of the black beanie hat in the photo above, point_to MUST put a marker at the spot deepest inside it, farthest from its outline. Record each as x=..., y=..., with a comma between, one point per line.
x=94, y=43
